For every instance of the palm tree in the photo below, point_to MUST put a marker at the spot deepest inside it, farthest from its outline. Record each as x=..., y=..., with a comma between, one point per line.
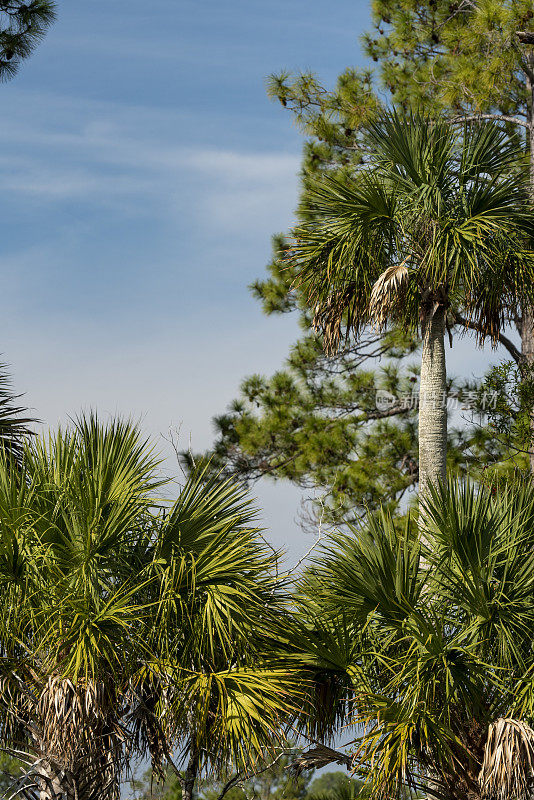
x=425, y=644
x=130, y=625
x=16, y=427
x=434, y=223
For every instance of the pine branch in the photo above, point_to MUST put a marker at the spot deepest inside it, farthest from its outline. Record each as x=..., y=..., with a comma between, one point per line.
x=266, y=468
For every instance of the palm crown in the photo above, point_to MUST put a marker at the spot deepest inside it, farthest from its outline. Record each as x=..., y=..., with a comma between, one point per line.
x=434, y=217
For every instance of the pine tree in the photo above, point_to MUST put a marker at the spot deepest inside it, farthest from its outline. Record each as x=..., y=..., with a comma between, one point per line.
x=455, y=56
x=22, y=26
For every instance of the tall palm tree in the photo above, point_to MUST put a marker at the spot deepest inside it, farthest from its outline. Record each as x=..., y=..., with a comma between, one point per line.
x=434, y=223
x=424, y=644
x=129, y=624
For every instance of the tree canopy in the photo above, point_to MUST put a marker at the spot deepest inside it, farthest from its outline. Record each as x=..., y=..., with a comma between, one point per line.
x=302, y=424
x=127, y=624
x=22, y=26
x=421, y=641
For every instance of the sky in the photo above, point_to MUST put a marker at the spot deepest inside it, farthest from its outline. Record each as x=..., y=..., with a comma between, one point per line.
x=144, y=171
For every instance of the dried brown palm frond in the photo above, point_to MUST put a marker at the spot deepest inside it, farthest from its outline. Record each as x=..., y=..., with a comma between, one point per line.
x=79, y=731
x=508, y=766
x=388, y=292
x=69, y=733
x=340, y=309
x=318, y=757
x=150, y=699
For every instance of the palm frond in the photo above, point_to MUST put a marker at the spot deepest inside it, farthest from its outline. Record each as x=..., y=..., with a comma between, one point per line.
x=453, y=208
x=508, y=767
x=245, y=711
x=339, y=259
x=127, y=622
x=387, y=292
x=16, y=427
x=429, y=634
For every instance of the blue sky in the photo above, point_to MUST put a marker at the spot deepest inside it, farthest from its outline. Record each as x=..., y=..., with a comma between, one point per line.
x=144, y=171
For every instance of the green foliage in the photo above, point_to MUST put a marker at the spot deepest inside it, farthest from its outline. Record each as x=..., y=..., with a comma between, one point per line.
x=422, y=203
x=512, y=389
x=317, y=424
x=333, y=118
x=129, y=625
x=431, y=55
x=423, y=218
x=452, y=56
x=15, y=424
x=147, y=789
x=9, y=771
x=22, y=26
x=436, y=631
x=434, y=56
x=336, y=786
x=278, y=782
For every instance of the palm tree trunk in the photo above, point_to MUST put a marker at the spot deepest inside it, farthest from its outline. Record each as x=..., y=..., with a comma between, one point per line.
x=527, y=353
x=527, y=320
x=190, y=776
x=433, y=403
x=54, y=784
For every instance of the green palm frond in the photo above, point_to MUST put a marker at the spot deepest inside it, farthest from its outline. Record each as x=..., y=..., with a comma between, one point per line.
x=428, y=631
x=413, y=153
x=339, y=258
x=207, y=506
x=152, y=625
x=374, y=570
x=215, y=567
x=16, y=427
x=487, y=150
x=244, y=710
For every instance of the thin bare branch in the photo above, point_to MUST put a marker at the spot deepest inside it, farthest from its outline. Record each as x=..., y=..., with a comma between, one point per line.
x=319, y=539
x=499, y=117
x=241, y=776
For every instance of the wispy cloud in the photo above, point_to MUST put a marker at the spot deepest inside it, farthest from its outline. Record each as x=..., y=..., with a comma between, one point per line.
x=112, y=156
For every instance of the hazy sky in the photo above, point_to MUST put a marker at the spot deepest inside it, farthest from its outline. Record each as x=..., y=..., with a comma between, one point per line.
x=144, y=171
